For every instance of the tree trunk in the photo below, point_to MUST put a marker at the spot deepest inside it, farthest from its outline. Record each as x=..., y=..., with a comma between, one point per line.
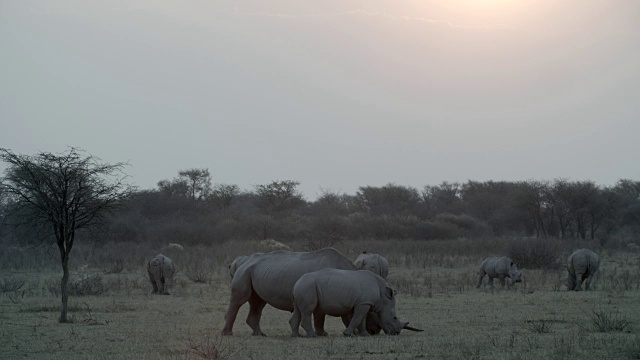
x=64, y=289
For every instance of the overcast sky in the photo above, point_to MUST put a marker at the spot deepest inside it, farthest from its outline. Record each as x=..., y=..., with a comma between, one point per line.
x=334, y=94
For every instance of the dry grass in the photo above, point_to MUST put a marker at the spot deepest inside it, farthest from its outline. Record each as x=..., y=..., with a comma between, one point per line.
x=537, y=319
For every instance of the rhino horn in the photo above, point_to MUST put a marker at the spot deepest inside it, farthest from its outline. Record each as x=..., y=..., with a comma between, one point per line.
x=411, y=328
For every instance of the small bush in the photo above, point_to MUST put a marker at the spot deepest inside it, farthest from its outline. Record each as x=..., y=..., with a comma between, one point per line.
x=539, y=326
x=114, y=267
x=532, y=253
x=211, y=347
x=608, y=322
x=89, y=285
x=198, y=273
x=11, y=285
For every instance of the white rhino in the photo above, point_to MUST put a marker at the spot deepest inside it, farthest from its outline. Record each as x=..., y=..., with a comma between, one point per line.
x=582, y=264
x=268, y=278
x=161, y=271
x=372, y=262
x=338, y=292
x=501, y=267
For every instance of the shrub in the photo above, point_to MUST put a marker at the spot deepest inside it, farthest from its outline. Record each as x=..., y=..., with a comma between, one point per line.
x=11, y=285
x=212, y=347
x=608, y=322
x=87, y=285
x=532, y=253
x=114, y=267
x=539, y=326
x=198, y=273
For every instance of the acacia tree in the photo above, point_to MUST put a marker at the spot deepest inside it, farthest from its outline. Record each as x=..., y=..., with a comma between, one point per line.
x=191, y=183
x=223, y=195
x=62, y=193
x=279, y=196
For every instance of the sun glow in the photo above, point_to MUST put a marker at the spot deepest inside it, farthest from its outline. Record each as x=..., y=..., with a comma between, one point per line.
x=478, y=12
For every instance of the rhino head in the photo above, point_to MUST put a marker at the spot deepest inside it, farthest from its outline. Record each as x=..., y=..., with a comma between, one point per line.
x=514, y=274
x=387, y=319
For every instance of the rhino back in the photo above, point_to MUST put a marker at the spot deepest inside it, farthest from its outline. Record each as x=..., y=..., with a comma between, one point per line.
x=273, y=275
x=375, y=263
x=158, y=264
x=496, y=265
x=583, y=261
x=339, y=291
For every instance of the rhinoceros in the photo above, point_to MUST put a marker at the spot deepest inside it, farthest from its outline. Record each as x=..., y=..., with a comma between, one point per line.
x=161, y=271
x=372, y=262
x=582, y=264
x=268, y=278
x=501, y=267
x=338, y=292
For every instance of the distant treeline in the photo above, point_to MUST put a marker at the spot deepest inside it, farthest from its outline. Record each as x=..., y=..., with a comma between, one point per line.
x=189, y=209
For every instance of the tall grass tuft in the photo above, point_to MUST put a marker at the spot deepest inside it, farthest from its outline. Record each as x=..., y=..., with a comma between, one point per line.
x=539, y=326
x=211, y=347
x=608, y=322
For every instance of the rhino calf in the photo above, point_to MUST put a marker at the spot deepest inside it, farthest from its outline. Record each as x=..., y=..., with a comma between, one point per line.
x=582, y=264
x=344, y=292
x=499, y=267
x=375, y=263
x=161, y=271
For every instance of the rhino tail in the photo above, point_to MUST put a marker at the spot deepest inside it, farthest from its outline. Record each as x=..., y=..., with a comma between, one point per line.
x=162, y=277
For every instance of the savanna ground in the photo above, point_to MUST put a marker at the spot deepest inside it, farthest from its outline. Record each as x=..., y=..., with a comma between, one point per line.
x=116, y=317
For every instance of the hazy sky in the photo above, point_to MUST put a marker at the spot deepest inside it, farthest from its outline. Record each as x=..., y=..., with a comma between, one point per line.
x=334, y=94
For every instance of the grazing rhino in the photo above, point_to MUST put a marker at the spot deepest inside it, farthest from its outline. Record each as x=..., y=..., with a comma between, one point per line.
x=268, y=278
x=338, y=292
x=500, y=267
x=375, y=263
x=582, y=264
x=161, y=271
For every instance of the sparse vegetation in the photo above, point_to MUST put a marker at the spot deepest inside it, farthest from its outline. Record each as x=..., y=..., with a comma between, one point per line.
x=539, y=326
x=605, y=321
x=436, y=291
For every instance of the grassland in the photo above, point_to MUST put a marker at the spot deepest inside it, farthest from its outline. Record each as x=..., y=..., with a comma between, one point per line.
x=115, y=316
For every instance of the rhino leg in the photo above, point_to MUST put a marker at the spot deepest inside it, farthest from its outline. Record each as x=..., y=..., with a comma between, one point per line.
x=374, y=326
x=587, y=285
x=256, y=305
x=153, y=283
x=346, y=319
x=480, y=279
x=491, y=283
x=571, y=282
x=306, y=324
x=359, y=316
x=362, y=328
x=239, y=296
x=579, y=280
x=318, y=322
x=501, y=277
x=294, y=321
x=164, y=288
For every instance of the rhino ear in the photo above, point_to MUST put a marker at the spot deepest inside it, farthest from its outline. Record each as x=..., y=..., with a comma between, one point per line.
x=390, y=292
